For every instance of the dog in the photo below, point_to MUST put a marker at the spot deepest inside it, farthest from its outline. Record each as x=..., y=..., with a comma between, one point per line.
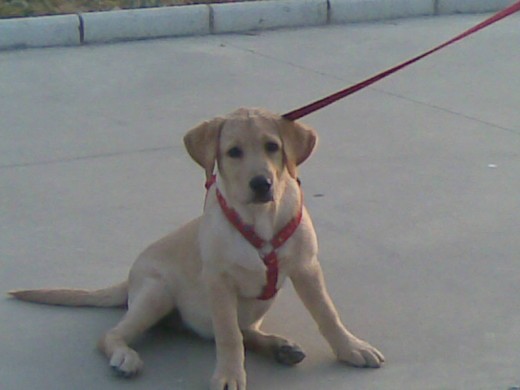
x=222, y=270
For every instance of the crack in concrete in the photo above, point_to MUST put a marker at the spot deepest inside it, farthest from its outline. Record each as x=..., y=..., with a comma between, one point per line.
x=86, y=157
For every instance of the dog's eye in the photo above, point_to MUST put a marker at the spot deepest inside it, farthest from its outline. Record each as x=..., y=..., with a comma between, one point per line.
x=272, y=147
x=235, y=152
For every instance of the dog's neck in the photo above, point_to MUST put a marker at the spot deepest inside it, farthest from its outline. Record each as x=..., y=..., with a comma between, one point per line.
x=266, y=218
x=261, y=229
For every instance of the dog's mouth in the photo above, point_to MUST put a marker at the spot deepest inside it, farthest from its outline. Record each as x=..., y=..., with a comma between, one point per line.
x=260, y=199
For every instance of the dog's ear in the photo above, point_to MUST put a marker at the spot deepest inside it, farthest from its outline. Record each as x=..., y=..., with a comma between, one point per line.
x=299, y=141
x=202, y=144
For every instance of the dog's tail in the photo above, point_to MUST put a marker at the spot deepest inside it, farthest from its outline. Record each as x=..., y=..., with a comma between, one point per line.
x=105, y=297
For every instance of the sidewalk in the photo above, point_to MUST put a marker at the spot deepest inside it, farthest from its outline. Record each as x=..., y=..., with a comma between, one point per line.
x=413, y=189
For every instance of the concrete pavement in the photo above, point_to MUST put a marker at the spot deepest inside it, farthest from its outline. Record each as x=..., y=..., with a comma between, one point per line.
x=413, y=189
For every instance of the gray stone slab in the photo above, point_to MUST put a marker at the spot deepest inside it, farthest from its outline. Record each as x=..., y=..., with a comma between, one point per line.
x=471, y=6
x=61, y=30
x=235, y=17
x=345, y=11
x=145, y=23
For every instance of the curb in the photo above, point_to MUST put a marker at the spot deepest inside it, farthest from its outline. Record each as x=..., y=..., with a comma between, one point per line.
x=60, y=30
x=145, y=23
x=102, y=27
x=371, y=10
x=263, y=15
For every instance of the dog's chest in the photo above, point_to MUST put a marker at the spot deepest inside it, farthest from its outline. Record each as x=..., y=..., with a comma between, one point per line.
x=252, y=282
x=228, y=252
x=245, y=265
x=263, y=227
x=227, y=249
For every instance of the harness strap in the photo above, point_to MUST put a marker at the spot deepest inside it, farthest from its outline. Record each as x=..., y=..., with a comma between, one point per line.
x=266, y=249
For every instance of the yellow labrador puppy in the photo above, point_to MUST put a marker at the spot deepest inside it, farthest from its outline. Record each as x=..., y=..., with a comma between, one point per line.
x=221, y=271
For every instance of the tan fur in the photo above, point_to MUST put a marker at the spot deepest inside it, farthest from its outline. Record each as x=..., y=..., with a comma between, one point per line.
x=211, y=275
x=106, y=297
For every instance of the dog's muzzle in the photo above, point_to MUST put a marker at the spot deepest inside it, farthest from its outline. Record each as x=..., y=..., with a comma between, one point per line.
x=262, y=188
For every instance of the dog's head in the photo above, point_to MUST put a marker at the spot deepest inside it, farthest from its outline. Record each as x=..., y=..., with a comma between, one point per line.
x=253, y=149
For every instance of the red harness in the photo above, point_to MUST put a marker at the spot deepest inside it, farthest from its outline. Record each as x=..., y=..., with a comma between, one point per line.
x=266, y=249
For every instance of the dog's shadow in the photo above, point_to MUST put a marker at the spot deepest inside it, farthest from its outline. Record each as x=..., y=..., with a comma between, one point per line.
x=173, y=353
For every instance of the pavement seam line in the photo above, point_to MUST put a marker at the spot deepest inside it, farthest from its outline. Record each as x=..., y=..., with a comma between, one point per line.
x=81, y=29
x=436, y=7
x=211, y=19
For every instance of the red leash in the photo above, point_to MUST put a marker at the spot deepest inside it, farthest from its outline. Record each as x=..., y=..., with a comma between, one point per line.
x=318, y=104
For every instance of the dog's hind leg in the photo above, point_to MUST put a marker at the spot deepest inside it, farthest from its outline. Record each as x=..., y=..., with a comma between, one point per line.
x=284, y=351
x=146, y=307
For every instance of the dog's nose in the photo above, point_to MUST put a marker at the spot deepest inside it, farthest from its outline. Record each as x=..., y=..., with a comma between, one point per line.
x=261, y=186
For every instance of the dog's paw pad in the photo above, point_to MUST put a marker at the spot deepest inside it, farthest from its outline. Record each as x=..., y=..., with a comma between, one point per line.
x=289, y=355
x=126, y=363
x=121, y=373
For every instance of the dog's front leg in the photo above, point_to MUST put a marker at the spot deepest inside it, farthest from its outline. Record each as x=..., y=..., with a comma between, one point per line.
x=310, y=286
x=229, y=373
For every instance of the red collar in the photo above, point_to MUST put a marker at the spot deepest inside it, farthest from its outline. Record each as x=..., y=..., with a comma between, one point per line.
x=266, y=249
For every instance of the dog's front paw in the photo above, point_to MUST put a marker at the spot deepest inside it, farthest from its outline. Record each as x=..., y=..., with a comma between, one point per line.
x=126, y=362
x=359, y=353
x=229, y=379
